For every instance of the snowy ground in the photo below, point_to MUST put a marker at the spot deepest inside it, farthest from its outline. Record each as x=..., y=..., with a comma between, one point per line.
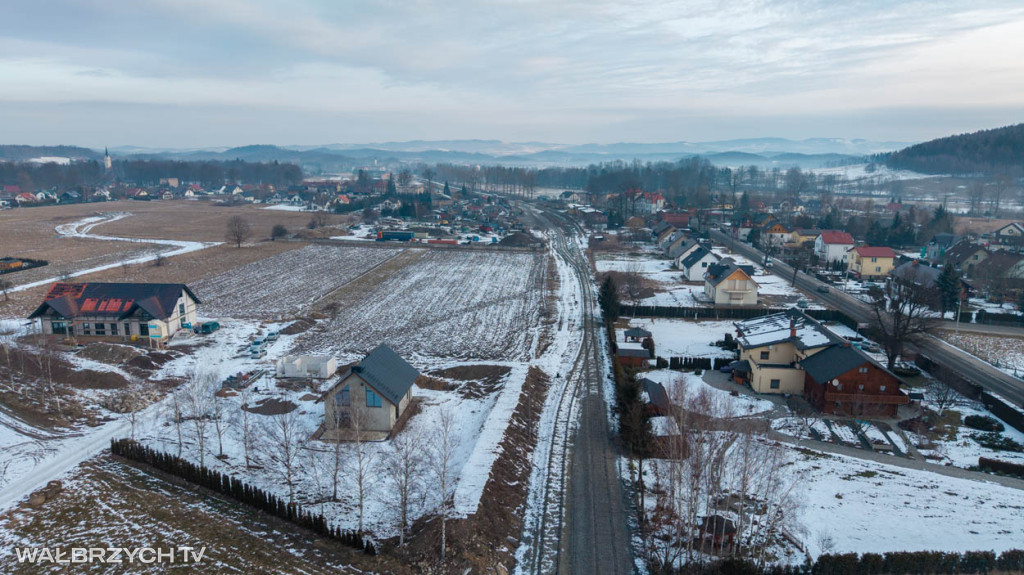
x=1004, y=353
x=683, y=338
x=448, y=304
x=681, y=385
x=870, y=507
x=285, y=283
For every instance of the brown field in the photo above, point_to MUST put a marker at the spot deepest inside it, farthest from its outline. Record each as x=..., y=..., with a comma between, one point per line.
x=107, y=503
x=30, y=233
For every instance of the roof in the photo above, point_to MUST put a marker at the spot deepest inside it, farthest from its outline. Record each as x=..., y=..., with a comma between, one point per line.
x=830, y=363
x=387, y=373
x=808, y=232
x=695, y=256
x=656, y=393
x=944, y=239
x=114, y=300
x=776, y=328
x=834, y=237
x=874, y=252
x=963, y=249
x=719, y=271
x=917, y=272
x=633, y=352
x=637, y=332
x=997, y=264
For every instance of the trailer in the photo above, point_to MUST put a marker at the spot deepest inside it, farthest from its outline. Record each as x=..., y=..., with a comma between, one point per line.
x=395, y=236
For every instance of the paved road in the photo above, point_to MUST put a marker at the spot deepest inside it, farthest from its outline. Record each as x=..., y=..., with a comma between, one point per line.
x=981, y=373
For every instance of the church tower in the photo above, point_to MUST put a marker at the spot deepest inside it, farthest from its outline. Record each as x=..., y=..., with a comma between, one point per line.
x=106, y=160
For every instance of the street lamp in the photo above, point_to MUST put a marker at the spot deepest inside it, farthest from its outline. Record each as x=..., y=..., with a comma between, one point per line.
x=959, y=302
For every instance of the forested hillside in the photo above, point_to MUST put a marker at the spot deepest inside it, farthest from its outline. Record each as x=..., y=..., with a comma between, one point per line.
x=986, y=152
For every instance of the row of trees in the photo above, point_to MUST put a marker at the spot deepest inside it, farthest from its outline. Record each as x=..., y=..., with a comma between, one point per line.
x=31, y=177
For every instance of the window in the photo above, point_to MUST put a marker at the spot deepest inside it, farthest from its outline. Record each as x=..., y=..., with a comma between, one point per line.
x=874, y=260
x=181, y=309
x=765, y=354
x=861, y=387
x=862, y=370
x=86, y=329
x=113, y=329
x=881, y=388
x=372, y=399
x=342, y=398
x=100, y=328
x=143, y=328
x=127, y=328
x=59, y=328
x=775, y=384
x=878, y=268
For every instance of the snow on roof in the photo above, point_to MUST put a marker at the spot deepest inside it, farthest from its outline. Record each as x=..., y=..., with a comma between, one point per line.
x=775, y=328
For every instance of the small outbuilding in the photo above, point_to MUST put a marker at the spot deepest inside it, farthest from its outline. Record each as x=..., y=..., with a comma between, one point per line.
x=306, y=366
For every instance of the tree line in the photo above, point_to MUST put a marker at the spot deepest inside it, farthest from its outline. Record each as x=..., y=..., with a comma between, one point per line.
x=32, y=177
x=984, y=152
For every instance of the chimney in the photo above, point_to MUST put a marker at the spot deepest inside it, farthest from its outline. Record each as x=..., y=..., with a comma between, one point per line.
x=792, y=327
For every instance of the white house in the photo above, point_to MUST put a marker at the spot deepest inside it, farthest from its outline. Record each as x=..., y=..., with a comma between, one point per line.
x=726, y=283
x=832, y=246
x=306, y=366
x=696, y=263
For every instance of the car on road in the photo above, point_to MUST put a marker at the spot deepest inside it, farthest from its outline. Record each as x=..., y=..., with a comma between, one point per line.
x=822, y=289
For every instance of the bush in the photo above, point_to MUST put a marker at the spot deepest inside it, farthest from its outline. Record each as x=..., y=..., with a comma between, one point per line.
x=983, y=423
x=998, y=442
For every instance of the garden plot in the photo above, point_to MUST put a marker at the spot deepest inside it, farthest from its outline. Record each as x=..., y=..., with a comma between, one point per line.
x=287, y=282
x=448, y=304
x=844, y=433
x=683, y=338
x=861, y=506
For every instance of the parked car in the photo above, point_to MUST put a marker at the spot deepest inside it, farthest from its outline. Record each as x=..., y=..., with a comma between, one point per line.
x=727, y=368
x=822, y=289
x=256, y=353
x=272, y=336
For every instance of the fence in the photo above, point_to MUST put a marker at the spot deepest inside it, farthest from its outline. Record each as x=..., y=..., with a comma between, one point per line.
x=729, y=313
x=240, y=491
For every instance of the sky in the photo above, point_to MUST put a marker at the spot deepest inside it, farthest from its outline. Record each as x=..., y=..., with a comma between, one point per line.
x=205, y=73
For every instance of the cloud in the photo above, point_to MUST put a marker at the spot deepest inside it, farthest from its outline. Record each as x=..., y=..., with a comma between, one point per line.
x=571, y=63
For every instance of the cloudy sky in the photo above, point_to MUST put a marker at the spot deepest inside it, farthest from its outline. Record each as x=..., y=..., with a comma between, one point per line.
x=193, y=73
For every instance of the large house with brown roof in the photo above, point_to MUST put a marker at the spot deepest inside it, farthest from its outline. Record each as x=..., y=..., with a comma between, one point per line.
x=868, y=262
x=125, y=311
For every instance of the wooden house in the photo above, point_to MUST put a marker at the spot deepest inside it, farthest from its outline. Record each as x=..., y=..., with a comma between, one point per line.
x=842, y=380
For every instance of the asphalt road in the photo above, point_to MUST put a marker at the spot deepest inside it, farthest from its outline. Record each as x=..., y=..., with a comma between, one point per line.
x=970, y=367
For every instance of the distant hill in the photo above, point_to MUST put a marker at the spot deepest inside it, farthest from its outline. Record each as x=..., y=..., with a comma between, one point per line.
x=21, y=153
x=984, y=152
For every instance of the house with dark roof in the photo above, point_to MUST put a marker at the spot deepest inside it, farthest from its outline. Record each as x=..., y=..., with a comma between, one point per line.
x=633, y=357
x=370, y=397
x=1012, y=234
x=869, y=262
x=122, y=311
x=936, y=247
x=727, y=283
x=657, y=403
x=772, y=347
x=842, y=380
x=966, y=256
x=696, y=263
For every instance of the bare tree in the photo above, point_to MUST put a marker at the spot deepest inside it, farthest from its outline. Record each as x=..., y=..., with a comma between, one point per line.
x=245, y=425
x=199, y=403
x=404, y=466
x=177, y=414
x=634, y=284
x=365, y=458
x=445, y=442
x=975, y=195
x=902, y=309
x=284, y=436
x=404, y=177
x=237, y=231
x=221, y=422
x=5, y=286
x=128, y=402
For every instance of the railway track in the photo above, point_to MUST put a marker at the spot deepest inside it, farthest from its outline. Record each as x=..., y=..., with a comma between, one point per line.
x=549, y=548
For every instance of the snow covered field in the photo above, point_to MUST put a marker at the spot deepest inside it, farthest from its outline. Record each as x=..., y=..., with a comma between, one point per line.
x=286, y=282
x=870, y=507
x=1005, y=353
x=448, y=304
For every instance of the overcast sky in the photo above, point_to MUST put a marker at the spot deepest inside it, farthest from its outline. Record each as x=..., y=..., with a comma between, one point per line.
x=193, y=73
